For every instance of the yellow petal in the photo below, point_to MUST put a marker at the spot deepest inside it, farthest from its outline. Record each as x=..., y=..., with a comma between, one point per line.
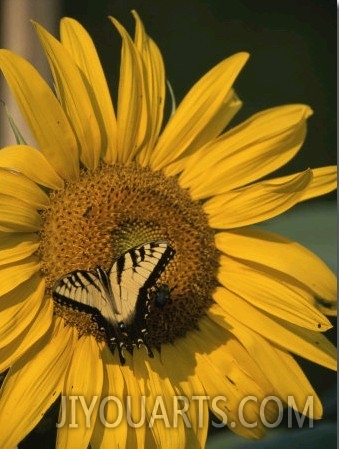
x=32, y=163
x=279, y=367
x=34, y=382
x=324, y=181
x=15, y=247
x=111, y=429
x=20, y=187
x=218, y=385
x=36, y=330
x=299, y=384
x=12, y=275
x=17, y=216
x=247, y=152
x=256, y=203
x=229, y=108
x=132, y=99
x=188, y=385
x=308, y=344
x=43, y=114
x=154, y=78
x=136, y=433
x=185, y=132
x=150, y=442
x=273, y=252
x=238, y=366
x=74, y=97
x=80, y=45
x=18, y=309
x=159, y=393
x=85, y=382
x=271, y=294
x=231, y=358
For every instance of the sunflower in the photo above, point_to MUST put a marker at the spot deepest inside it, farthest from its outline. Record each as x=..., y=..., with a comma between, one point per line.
x=232, y=305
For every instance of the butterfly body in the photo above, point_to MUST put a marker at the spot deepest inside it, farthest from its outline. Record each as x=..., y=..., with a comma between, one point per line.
x=118, y=299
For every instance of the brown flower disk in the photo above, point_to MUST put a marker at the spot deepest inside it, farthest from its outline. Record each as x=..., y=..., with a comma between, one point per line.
x=108, y=211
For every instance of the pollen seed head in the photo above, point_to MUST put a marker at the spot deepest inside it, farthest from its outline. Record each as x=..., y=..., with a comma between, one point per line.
x=95, y=219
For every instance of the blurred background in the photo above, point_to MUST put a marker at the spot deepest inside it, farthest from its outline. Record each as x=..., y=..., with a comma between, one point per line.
x=293, y=60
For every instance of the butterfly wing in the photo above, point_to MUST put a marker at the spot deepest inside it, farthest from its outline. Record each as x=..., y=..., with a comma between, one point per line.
x=86, y=291
x=134, y=273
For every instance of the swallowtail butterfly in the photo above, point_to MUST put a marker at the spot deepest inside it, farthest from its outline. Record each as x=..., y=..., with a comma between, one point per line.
x=118, y=300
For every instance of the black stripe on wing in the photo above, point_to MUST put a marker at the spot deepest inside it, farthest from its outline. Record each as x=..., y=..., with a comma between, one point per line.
x=86, y=281
x=76, y=283
x=149, y=260
x=81, y=307
x=164, y=259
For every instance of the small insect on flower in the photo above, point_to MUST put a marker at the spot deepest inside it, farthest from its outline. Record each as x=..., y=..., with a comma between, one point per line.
x=161, y=295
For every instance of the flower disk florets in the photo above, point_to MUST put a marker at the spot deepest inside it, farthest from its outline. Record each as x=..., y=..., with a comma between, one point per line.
x=108, y=211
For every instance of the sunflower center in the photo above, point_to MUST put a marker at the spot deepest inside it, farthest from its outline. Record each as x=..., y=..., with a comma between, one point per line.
x=94, y=220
